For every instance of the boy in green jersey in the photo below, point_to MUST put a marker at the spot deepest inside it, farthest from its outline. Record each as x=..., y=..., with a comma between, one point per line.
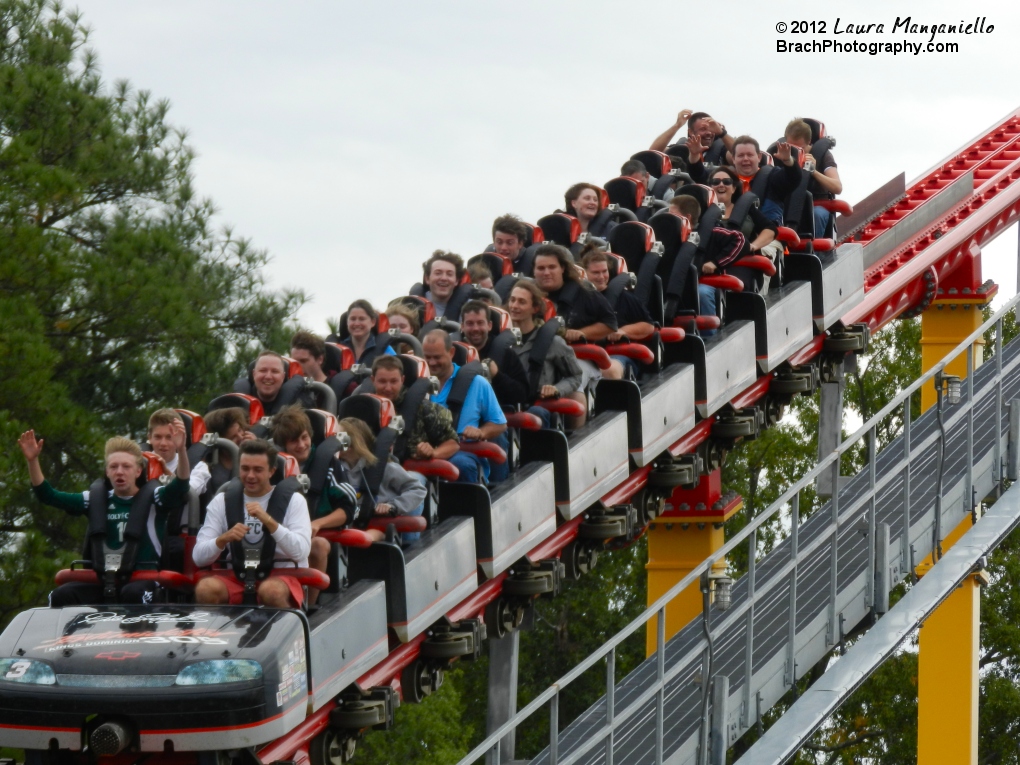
x=134, y=521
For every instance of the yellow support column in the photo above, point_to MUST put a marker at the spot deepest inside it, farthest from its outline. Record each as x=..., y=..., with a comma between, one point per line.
x=673, y=553
x=943, y=327
x=947, y=683
x=689, y=530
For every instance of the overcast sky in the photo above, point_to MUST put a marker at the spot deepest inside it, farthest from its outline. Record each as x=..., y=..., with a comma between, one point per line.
x=352, y=139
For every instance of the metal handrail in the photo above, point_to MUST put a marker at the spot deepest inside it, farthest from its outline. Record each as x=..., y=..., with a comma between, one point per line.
x=791, y=496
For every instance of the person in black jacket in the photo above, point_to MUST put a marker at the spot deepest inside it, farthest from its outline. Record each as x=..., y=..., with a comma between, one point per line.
x=759, y=232
x=506, y=375
x=587, y=315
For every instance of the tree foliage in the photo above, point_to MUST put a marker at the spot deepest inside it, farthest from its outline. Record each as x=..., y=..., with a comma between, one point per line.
x=118, y=294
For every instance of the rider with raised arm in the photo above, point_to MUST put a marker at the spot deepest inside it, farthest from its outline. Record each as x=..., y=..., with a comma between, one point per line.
x=161, y=437
x=127, y=515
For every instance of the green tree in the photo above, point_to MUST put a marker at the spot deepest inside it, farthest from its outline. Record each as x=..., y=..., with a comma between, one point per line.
x=118, y=294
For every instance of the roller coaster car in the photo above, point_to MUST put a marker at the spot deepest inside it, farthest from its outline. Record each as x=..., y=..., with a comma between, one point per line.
x=99, y=681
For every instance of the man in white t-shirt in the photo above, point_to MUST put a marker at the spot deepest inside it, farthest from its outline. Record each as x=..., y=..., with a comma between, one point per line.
x=263, y=538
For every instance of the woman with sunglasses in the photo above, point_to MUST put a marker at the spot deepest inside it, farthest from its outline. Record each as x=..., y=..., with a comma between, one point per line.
x=759, y=232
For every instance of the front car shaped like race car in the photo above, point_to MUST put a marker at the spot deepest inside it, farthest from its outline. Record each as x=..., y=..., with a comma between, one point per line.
x=173, y=678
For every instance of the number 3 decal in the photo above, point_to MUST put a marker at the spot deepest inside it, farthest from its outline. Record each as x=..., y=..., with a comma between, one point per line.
x=17, y=669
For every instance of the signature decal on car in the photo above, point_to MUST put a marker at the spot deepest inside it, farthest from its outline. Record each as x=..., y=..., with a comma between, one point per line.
x=154, y=618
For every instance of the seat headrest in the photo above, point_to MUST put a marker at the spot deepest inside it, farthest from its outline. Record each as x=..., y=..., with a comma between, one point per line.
x=656, y=162
x=153, y=467
x=817, y=128
x=426, y=311
x=500, y=319
x=670, y=229
x=287, y=466
x=464, y=353
x=242, y=400
x=194, y=425
x=338, y=358
x=550, y=309
x=560, y=228
x=375, y=411
x=626, y=192
x=632, y=240
x=323, y=424
x=498, y=265
x=617, y=264
x=704, y=195
x=535, y=235
x=414, y=367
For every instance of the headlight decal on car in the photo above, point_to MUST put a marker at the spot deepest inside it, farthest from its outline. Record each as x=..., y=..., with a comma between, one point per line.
x=27, y=671
x=218, y=671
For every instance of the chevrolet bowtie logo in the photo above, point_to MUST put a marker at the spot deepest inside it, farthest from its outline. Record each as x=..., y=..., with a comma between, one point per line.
x=117, y=655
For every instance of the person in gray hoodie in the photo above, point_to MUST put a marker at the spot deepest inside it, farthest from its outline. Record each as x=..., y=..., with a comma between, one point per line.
x=560, y=375
x=398, y=492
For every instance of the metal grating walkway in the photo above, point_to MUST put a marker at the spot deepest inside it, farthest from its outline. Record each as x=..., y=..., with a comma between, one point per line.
x=635, y=739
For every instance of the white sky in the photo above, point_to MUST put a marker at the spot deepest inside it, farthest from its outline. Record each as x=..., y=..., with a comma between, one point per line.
x=352, y=139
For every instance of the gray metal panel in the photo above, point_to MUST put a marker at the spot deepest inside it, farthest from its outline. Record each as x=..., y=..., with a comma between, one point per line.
x=729, y=366
x=521, y=519
x=842, y=283
x=439, y=576
x=667, y=412
x=933, y=209
x=871, y=207
x=786, y=736
x=597, y=462
x=789, y=325
x=351, y=640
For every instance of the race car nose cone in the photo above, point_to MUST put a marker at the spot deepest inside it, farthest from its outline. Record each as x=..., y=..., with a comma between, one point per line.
x=109, y=739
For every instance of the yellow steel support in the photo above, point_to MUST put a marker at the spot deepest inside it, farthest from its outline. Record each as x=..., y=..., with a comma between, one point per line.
x=947, y=718
x=943, y=327
x=947, y=708
x=673, y=552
